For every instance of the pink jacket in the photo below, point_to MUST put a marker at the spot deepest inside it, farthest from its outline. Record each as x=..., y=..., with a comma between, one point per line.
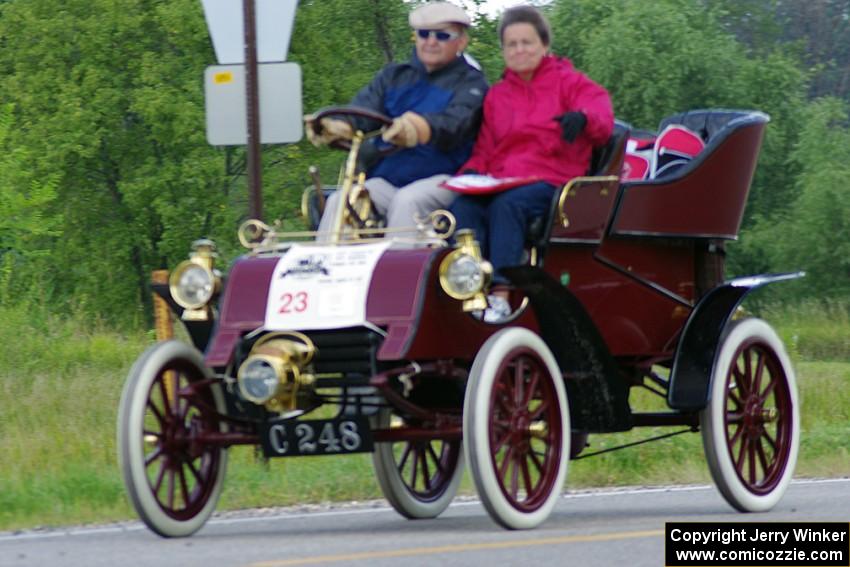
x=519, y=137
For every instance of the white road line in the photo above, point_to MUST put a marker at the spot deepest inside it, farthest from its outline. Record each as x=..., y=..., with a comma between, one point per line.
x=223, y=520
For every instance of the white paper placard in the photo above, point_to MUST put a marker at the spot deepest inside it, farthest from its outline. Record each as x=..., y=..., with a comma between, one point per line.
x=321, y=287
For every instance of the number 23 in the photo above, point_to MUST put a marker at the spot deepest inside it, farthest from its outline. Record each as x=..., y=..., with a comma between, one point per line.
x=296, y=302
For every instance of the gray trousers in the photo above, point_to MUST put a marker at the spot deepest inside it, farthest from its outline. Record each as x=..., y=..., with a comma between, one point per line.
x=398, y=205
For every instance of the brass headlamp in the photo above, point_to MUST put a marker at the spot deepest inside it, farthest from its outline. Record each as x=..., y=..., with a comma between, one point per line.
x=195, y=282
x=274, y=373
x=465, y=274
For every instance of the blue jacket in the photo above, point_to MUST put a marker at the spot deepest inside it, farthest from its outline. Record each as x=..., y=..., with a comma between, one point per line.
x=450, y=99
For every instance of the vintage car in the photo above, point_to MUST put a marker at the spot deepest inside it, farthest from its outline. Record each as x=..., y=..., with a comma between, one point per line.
x=373, y=342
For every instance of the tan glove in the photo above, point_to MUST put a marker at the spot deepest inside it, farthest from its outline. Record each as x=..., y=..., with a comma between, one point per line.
x=408, y=130
x=332, y=130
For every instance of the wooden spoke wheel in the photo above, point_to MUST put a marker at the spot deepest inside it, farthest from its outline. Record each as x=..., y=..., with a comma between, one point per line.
x=172, y=474
x=751, y=426
x=418, y=478
x=517, y=428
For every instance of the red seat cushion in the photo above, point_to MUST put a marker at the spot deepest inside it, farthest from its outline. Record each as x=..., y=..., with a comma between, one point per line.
x=676, y=144
x=635, y=166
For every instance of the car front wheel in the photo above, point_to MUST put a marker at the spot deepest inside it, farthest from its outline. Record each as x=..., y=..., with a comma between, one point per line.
x=169, y=413
x=516, y=428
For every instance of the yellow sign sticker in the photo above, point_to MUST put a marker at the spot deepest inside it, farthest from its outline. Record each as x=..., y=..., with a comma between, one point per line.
x=223, y=77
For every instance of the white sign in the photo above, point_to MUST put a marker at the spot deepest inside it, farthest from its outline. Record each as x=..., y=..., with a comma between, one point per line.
x=274, y=19
x=321, y=287
x=280, y=104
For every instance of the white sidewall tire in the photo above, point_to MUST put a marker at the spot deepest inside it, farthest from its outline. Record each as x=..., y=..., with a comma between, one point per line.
x=394, y=488
x=712, y=420
x=476, y=414
x=130, y=443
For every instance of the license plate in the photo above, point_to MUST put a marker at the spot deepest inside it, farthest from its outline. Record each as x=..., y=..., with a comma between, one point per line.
x=317, y=437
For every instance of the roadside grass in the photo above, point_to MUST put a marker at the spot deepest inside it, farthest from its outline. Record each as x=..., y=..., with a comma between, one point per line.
x=61, y=380
x=824, y=389
x=813, y=330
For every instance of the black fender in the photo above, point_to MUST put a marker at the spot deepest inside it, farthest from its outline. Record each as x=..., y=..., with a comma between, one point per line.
x=598, y=394
x=690, y=377
x=199, y=331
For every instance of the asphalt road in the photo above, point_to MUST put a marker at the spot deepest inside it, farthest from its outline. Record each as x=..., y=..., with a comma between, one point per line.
x=587, y=529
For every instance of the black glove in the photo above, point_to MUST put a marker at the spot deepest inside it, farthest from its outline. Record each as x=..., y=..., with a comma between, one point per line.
x=572, y=123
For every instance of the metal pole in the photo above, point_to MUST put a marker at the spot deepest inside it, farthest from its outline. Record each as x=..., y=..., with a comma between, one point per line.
x=164, y=328
x=161, y=312
x=252, y=107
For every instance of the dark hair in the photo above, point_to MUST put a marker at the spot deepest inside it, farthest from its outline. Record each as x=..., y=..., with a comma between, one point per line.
x=526, y=15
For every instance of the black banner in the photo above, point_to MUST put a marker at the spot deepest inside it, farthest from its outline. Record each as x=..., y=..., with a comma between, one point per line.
x=757, y=544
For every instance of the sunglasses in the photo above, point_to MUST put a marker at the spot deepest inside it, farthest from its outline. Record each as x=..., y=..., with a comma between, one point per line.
x=441, y=35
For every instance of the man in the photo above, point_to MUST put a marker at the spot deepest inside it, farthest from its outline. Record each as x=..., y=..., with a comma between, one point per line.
x=435, y=101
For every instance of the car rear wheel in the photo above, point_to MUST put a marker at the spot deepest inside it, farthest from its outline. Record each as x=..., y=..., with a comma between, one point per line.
x=418, y=478
x=516, y=428
x=169, y=408
x=751, y=426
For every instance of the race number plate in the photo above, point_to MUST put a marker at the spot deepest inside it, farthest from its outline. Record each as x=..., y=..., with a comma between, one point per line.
x=321, y=287
x=317, y=437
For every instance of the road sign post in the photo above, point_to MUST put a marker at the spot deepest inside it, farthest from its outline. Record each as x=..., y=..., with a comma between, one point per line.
x=245, y=33
x=252, y=107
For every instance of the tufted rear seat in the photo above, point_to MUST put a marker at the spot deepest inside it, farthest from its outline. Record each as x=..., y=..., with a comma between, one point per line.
x=705, y=197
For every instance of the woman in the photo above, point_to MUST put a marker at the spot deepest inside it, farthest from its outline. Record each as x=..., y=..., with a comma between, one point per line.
x=541, y=122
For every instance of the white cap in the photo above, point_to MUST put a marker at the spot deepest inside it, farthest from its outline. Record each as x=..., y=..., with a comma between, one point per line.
x=436, y=15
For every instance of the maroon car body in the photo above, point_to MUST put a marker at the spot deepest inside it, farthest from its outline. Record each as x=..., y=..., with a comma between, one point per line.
x=625, y=287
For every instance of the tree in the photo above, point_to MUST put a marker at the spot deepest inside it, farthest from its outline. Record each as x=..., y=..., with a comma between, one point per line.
x=108, y=105
x=106, y=174
x=109, y=109
x=662, y=58
x=814, y=233
x=27, y=231
x=819, y=32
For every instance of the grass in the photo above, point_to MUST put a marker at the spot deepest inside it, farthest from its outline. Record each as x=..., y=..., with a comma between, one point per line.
x=60, y=382
x=813, y=330
x=824, y=389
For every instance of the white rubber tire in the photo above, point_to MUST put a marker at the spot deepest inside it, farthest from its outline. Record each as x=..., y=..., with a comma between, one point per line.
x=395, y=489
x=130, y=442
x=713, y=420
x=476, y=427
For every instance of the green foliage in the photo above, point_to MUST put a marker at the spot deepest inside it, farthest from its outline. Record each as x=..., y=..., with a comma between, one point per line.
x=23, y=196
x=105, y=174
x=656, y=58
x=113, y=122
x=484, y=45
x=818, y=31
x=341, y=54
x=28, y=226
x=813, y=234
x=109, y=119
x=660, y=58
x=818, y=228
x=775, y=84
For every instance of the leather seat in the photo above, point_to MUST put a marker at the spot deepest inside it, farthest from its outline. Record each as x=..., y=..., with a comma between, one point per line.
x=539, y=230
